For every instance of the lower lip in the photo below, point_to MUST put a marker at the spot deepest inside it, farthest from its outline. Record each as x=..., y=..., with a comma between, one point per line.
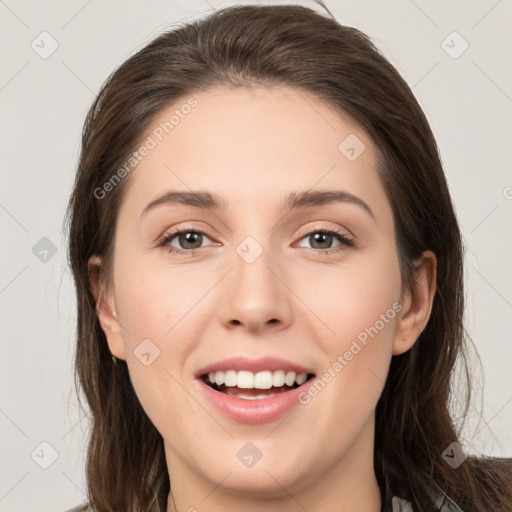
x=254, y=412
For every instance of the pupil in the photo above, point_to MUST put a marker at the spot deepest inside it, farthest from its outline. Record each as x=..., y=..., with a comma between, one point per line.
x=319, y=236
x=188, y=238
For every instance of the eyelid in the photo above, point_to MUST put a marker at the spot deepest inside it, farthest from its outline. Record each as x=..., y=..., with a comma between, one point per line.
x=335, y=229
x=346, y=239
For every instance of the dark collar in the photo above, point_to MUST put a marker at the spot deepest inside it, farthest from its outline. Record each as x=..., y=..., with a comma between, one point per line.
x=399, y=498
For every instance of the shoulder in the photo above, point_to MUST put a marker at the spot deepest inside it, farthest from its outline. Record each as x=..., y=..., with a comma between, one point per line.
x=80, y=508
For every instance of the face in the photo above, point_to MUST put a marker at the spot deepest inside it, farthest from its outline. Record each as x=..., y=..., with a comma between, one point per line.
x=278, y=282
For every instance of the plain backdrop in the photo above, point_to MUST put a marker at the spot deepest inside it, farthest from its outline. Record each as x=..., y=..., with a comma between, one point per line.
x=456, y=57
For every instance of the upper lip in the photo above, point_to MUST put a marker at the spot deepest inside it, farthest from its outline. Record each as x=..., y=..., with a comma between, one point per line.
x=253, y=365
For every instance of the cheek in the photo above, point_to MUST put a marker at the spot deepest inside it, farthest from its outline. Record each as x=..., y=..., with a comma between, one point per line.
x=360, y=305
x=353, y=297
x=156, y=300
x=359, y=353
x=157, y=307
x=345, y=394
x=162, y=315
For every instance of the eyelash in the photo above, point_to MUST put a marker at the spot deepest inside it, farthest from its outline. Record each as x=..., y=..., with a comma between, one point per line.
x=342, y=237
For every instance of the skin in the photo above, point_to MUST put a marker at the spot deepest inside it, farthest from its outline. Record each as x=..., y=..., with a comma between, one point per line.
x=253, y=147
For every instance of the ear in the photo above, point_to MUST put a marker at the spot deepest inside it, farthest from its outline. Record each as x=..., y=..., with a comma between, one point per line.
x=416, y=303
x=106, y=309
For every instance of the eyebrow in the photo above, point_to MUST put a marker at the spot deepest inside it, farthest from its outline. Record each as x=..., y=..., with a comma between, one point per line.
x=214, y=202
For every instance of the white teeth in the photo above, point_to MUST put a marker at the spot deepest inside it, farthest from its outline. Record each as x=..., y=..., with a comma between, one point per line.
x=301, y=378
x=278, y=379
x=256, y=397
x=263, y=380
x=260, y=380
x=290, y=378
x=219, y=378
x=244, y=380
x=230, y=379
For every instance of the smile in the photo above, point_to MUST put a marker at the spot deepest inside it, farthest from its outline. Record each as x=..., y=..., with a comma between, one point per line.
x=255, y=386
x=254, y=391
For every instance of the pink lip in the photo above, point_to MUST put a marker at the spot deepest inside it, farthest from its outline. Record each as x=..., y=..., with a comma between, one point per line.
x=253, y=365
x=253, y=412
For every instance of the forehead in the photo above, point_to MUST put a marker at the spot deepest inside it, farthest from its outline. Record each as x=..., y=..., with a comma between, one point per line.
x=253, y=146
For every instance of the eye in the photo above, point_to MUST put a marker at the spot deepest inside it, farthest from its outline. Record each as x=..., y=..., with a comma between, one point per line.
x=323, y=238
x=188, y=239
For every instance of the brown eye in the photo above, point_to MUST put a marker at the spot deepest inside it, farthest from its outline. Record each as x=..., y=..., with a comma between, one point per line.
x=322, y=239
x=190, y=240
x=184, y=241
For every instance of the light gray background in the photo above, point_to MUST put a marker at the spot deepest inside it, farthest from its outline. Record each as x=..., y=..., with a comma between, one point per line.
x=43, y=103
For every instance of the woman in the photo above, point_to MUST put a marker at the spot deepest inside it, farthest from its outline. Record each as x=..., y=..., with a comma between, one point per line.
x=269, y=279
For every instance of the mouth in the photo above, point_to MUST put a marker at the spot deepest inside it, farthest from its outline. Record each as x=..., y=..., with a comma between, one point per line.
x=254, y=391
x=247, y=385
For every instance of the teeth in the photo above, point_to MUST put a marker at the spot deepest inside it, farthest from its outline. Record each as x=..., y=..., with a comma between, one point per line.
x=231, y=378
x=290, y=378
x=301, y=378
x=278, y=378
x=261, y=380
x=244, y=380
x=256, y=397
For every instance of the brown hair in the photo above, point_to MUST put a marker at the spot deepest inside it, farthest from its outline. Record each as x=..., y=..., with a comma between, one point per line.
x=293, y=46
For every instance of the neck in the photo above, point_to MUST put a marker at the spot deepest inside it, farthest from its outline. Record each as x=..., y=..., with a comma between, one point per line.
x=348, y=485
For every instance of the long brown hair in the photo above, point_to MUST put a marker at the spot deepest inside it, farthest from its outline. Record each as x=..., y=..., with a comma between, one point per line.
x=294, y=46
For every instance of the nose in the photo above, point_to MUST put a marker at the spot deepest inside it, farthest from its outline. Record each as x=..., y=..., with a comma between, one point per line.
x=254, y=295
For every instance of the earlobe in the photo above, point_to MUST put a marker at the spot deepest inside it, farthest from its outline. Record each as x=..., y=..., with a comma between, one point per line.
x=105, y=309
x=417, y=304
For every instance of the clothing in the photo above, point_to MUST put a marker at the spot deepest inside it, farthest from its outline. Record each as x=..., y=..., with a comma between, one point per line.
x=441, y=500
x=400, y=499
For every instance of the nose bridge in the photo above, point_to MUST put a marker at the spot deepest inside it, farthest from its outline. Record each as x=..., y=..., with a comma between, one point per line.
x=254, y=295
x=252, y=262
